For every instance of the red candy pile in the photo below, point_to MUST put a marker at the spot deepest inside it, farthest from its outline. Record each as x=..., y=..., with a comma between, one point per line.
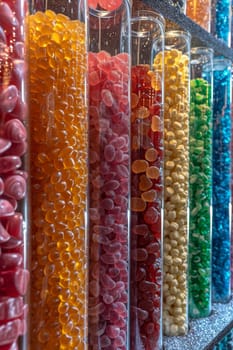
x=109, y=200
x=146, y=192
x=13, y=180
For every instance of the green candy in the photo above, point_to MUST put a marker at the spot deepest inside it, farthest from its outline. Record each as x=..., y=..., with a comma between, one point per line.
x=200, y=187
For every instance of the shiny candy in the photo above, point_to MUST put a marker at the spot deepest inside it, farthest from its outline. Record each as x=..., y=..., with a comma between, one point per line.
x=109, y=199
x=221, y=181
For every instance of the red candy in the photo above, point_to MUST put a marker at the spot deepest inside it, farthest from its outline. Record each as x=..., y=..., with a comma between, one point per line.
x=146, y=213
x=10, y=308
x=13, y=179
x=109, y=193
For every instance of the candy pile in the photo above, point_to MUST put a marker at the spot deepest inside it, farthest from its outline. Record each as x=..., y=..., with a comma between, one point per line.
x=14, y=276
x=222, y=20
x=176, y=171
x=59, y=181
x=200, y=192
x=221, y=182
x=146, y=204
x=109, y=200
x=199, y=12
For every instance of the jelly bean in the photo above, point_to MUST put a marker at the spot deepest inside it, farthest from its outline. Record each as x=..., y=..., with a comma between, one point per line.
x=15, y=131
x=15, y=187
x=9, y=163
x=6, y=18
x=20, y=110
x=10, y=308
x=13, y=346
x=4, y=145
x=58, y=144
x=109, y=189
x=10, y=260
x=8, y=99
x=6, y=209
x=9, y=332
x=4, y=235
x=14, y=282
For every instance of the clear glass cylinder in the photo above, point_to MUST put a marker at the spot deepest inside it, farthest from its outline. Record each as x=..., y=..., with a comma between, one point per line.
x=59, y=151
x=176, y=180
x=221, y=20
x=109, y=174
x=221, y=252
x=200, y=183
x=14, y=175
x=200, y=12
x=147, y=34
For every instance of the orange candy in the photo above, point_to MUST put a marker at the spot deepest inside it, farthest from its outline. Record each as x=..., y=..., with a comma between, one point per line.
x=58, y=181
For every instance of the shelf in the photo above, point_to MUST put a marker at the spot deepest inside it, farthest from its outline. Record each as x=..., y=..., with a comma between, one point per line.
x=204, y=333
x=200, y=37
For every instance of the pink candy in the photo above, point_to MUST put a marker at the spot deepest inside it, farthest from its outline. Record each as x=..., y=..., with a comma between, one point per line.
x=13, y=179
x=109, y=193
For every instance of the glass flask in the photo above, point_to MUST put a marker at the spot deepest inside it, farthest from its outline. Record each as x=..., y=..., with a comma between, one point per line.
x=221, y=276
x=59, y=172
x=147, y=35
x=14, y=174
x=200, y=12
x=176, y=181
x=200, y=183
x=109, y=173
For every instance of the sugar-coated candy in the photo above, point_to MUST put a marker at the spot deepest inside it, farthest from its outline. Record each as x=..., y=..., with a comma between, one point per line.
x=109, y=192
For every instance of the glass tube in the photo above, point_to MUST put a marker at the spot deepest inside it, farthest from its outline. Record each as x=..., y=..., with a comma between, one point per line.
x=176, y=173
x=221, y=20
x=14, y=175
x=200, y=12
x=109, y=174
x=200, y=183
x=221, y=180
x=58, y=116
x=147, y=32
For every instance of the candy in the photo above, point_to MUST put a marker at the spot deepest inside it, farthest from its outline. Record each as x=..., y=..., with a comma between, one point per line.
x=221, y=182
x=109, y=192
x=199, y=12
x=200, y=190
x=146, y=155
x=222, y=20
x=59, y=180
x=176, y=167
